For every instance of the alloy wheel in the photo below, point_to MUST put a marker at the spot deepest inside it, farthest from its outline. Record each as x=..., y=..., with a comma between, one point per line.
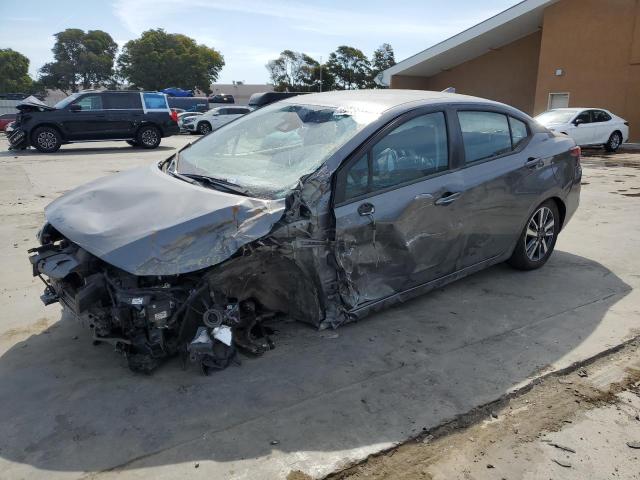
x=149, y=137
x=539, y=235
x=47, y=140
x=204, y=128
x=615, y=141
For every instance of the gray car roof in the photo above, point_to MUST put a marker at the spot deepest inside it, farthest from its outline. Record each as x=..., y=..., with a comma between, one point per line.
x=378, y=101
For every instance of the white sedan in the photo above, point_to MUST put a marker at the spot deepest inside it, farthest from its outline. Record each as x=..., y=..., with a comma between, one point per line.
x=213, y=119
x=587, y=126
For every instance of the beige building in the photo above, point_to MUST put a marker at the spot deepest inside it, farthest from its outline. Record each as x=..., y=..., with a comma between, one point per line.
x=540, y=54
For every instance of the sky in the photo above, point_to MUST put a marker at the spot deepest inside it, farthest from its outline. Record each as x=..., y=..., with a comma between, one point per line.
x=248, y=33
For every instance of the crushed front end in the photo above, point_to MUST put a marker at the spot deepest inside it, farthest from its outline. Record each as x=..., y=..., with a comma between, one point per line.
x=148, y=318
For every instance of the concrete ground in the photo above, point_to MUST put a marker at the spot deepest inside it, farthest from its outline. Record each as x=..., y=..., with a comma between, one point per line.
x=321, y=400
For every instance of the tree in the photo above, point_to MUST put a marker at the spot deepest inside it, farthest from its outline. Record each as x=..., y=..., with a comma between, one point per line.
x=159, y=59
x=383, y=58
x=350, y=68
x=14, y=72
x=81, y=60
x=295, y=72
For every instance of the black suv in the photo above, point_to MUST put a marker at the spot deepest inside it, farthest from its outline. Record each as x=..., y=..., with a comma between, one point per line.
x=140, y=118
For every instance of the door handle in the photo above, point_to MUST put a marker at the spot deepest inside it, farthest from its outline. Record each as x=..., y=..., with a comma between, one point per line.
x=366, y=209
x=534, y=162
x=448, y=198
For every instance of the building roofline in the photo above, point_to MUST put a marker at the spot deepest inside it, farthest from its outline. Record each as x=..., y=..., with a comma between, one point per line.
x=474, y=33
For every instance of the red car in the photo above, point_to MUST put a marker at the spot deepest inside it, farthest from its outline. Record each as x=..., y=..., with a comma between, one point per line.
x=6, y=119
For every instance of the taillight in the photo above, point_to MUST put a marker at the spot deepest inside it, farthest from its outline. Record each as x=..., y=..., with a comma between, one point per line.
x=174, y=116
x=576, y=152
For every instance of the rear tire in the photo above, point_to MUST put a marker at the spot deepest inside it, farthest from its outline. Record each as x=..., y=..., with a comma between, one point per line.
x=614, y=142
x=538, y=239
x=148, y=137
x=46, y=139
x=204, y=128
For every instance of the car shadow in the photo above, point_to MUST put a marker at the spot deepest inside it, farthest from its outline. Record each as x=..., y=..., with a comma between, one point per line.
x=70, y=406
x=66, y=151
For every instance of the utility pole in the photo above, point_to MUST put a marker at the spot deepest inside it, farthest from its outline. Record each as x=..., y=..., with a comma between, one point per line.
x=321, y=73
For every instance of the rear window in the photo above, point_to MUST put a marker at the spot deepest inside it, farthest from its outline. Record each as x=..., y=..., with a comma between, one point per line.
x=155, y=101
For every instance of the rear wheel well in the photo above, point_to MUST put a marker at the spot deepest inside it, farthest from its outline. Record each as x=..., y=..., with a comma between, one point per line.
x=148, y=124
x=562, y=209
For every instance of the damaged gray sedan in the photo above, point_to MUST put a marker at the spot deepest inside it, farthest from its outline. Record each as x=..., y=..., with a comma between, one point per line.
x=321, y=208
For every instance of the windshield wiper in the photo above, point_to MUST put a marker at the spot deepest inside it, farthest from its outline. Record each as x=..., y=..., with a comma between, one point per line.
x=216, y=182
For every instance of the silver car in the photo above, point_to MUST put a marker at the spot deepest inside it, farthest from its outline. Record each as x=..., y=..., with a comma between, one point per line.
x=321, y=208
x=213, y=119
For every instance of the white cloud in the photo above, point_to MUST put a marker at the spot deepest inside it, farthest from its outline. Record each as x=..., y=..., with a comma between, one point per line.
x=139, y=15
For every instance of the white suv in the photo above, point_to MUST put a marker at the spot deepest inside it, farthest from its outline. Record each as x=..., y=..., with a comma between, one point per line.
x=213, y=119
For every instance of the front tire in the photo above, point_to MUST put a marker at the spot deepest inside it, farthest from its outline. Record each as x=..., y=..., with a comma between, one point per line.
x=614, y=142
x=148, y=137
x=538, y=238
x=46, y=139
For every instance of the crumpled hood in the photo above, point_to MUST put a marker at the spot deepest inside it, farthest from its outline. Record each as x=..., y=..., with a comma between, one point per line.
x=149, y=223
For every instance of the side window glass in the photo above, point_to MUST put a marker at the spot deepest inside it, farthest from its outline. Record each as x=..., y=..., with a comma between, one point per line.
x=413, y=150
x=90, y=102
x=154, y=101
x=585, y=117
x=122, y=101
x=519, y=132
x=484, y=134
x=357, y=179
x=600, y=116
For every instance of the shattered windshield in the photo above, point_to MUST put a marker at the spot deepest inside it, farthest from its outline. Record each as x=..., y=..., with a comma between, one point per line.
x=268, y=151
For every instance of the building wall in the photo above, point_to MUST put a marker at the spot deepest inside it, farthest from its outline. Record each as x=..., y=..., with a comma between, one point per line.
x=507, y=74
x=597, y=45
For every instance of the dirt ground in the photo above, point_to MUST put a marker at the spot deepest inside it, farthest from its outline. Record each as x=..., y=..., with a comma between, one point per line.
x=584, y=424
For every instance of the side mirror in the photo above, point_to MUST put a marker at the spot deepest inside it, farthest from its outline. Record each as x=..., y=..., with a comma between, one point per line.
x=75, y=107
x=578, y=121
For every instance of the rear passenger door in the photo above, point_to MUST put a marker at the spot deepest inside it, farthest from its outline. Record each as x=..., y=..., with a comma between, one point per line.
x=502, y=179
x=397, y=223
x=124, y=113
x=603, y=125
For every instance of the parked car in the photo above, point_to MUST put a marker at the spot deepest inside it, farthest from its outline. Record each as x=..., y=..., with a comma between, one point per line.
x=140, y=118
x=177, y=92
x=6, y=119
x=587, y=126
x=262, y=99
x=183, y=116
x=321, y=208
x=213, y=119
x=222, y=98
x=189, y=104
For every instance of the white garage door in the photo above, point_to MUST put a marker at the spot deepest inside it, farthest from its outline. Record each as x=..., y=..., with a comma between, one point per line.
x=558, y=100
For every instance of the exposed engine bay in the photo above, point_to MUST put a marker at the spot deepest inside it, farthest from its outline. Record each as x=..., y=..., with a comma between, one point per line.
x=150, y=318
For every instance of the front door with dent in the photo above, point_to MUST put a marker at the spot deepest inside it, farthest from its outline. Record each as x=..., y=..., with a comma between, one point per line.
x=397, y=222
